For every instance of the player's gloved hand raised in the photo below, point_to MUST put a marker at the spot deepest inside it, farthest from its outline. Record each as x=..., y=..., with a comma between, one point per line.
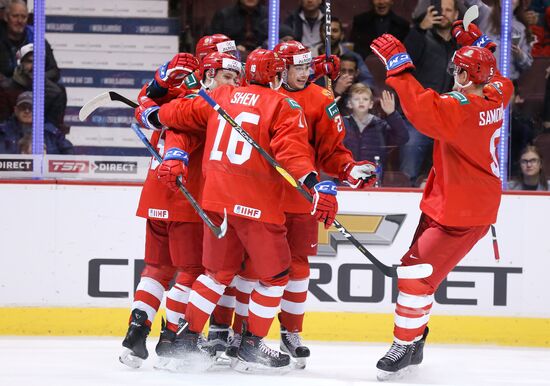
x=324, y=205
x=147, y=114
x=172, y=167
x=392, y=53
x=323, y=66
x=172, y=73
x=472, y=37
x=359, y=174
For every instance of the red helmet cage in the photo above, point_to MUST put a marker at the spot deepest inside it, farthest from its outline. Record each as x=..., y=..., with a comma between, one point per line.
x=478, y=62
x=293, y=52
x=209, y=43
x=219, y=60
x=262, y=66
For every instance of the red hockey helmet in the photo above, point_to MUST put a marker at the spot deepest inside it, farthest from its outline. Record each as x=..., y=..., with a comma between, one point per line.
x=478, y=62
x=262, y=66
x=219, y=60
x=214, y=43
x=293, y=52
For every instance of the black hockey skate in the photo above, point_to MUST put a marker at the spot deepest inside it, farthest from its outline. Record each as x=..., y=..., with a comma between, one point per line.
x=218, y=339
x=292, y=345
x=418, y=349
x=234, y=345
x=134, y=342
x=395, y=362
x=255, y=356
x=186, y=352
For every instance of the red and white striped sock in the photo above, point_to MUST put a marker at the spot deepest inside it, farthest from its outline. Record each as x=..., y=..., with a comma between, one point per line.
x=243, y=289
x=293, y=305
x=264, y=303
x=412, y=313
x=223, y=313
x=148, y=297
x=203, y=298
x=176, y=303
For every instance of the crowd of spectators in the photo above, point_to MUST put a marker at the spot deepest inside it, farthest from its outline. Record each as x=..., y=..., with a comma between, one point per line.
x=375, y=125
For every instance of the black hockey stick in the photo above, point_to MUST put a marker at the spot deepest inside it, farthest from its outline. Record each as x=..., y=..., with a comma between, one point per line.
x=408, y=272
x=328, y=34
x=100, y=101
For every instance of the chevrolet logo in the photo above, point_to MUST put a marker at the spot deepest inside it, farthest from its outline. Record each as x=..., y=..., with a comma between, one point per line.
x=373, y=229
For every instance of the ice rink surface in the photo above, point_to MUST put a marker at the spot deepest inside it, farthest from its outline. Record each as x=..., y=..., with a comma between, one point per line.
x=94, y=361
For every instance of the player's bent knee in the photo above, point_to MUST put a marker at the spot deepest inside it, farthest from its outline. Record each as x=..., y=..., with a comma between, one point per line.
x=187, y=278
x=221, y=277
x=161, y=273
x=299, y=269
x=415, y=286
x=280, y=279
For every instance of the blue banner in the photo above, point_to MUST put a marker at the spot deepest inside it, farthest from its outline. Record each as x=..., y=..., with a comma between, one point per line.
x=74, y=77
x=102, y=117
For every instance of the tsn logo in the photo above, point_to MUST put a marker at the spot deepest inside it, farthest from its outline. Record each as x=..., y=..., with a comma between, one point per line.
x=68, y=166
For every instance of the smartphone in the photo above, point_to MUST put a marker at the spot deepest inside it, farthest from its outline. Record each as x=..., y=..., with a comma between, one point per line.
x=437, y=5
x=515, y=39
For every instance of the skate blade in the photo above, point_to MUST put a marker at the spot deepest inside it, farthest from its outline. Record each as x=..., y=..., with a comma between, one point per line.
x=257, y=368
x=162, y=363
x=190, y=363
x=385, y=376
x=129, y=359
x=221, y=359
x=298, y=363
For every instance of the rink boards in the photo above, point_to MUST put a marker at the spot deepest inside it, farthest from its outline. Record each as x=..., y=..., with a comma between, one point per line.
x=72, y=255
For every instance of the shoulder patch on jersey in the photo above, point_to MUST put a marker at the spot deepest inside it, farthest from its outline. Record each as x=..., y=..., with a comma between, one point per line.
x=332, y=110
x=497, y=86
x=293, y=104
x=191, y=81
x=459, y=97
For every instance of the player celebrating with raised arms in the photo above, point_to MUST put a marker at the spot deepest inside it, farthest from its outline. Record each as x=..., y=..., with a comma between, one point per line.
x=239, y=179
x=173, y=238
x=463, y=191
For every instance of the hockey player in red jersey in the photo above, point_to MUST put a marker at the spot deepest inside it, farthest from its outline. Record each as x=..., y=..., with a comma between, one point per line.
x=463, y=191
x=173, y=231
x=239, y=179
x=325, y=136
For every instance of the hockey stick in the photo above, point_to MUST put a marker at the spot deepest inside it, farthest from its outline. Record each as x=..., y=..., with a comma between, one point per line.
x=328, y=34
x=100, y=101
x=408, y=272
x=470, y=15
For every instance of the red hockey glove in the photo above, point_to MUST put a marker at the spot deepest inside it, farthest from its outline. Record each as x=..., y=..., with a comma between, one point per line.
x=322, y=67
x=472, y=37
x=324, y=205
x=359, y=174
x=392, y=53
x=172, y=73
x=147, y=114
x=172, y=167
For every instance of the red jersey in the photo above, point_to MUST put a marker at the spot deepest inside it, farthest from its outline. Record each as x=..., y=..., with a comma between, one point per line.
x=326, y=134
x=463, y=188
x=157, y=201
x=237, y=177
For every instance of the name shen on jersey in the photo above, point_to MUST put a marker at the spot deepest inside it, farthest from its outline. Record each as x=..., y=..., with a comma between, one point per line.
x=491, y=116
x=245, y=98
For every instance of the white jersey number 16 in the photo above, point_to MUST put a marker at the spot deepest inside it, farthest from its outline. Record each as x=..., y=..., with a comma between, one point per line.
x=234, y=140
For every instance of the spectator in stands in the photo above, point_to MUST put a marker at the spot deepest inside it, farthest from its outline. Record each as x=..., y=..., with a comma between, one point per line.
x=10, y=88
x=535, y=12
x=339, y=49
x=305, y=22
x=18, y=128
x=431, y=47
x=2, y=10
x=532, y=174
x=541, y=32
x=522, y=128
x=244, y=22
x=546, y=107
x=368, y=135
x=349, y=71
x=372, y=24
x=489, y=21
x=14, y=34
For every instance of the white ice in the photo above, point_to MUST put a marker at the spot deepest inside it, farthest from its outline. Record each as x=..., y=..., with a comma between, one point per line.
x=94, y=361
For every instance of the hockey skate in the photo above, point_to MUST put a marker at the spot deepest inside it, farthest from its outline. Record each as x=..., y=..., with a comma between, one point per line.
x=186, y=353
x=234, y=344
x=254, y=356
x=418, y=349
x=135, y=351
x=219, y=336
x=395, y=363
x=165, y=346
x=292, y=345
